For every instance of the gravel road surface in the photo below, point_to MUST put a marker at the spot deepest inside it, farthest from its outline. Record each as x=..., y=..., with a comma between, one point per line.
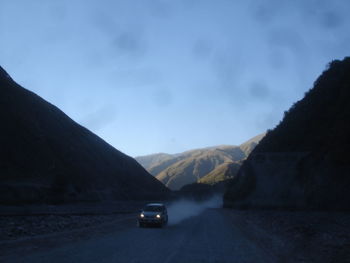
x=208, y=237
x=215, y=235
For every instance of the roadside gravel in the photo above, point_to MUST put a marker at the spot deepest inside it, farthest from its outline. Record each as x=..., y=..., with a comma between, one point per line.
x=16, y=227
x=299, y=236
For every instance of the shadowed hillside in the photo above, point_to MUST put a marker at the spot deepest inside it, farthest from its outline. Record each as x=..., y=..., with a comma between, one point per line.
x=47, y=157
x=304, y=161
x=189, y=167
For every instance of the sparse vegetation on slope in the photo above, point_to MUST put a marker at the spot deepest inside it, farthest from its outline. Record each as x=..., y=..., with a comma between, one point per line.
x=152, y=160
x=224, y=171
x=190, y=166
x=197, y=165
x=248, y=146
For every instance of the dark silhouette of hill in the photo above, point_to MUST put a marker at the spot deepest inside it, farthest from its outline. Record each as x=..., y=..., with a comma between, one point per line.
x=188, y=167
x=303, y=162
x=47, y=157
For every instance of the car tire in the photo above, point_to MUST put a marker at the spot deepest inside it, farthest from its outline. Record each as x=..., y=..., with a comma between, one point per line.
x=139, y=224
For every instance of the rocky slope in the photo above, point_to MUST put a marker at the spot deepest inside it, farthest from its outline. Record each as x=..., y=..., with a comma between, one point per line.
x=304, y=161
x=189, y=167
x=47, y=157
x=248, y=146
x=153, y=160
x=224, y=171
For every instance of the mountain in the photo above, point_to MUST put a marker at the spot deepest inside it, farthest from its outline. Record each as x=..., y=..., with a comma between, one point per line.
x=47, y=157
x=304, y=162
x=197, y=165
x=248, y=146
x=156, y=163
x=153, y=160
x=188, y=167
x=222, y=172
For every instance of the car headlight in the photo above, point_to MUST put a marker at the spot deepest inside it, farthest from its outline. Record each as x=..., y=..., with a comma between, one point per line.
x=142, y=215
x=158, y=216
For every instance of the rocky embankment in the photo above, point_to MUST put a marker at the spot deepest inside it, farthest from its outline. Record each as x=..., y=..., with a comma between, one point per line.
x=298, y=236
x=35, y=220
x=15, y=227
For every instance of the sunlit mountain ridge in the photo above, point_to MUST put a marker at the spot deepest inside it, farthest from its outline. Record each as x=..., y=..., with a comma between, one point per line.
x=198, y=165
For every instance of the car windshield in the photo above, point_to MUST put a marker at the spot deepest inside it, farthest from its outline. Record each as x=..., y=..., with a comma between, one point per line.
x=153, y=208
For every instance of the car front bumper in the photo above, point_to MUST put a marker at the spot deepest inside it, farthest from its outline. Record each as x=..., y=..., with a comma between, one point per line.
x=151, y=220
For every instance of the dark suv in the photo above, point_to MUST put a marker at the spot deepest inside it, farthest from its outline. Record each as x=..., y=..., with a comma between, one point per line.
x=153, y=214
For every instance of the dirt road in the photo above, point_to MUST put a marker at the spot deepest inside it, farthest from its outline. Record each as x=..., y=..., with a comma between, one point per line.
x=215, y=235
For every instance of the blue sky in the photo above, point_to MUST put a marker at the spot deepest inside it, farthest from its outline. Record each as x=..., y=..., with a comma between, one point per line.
x=169, y=76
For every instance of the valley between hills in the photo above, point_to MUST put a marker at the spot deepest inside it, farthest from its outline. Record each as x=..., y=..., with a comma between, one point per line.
x=68, y=196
